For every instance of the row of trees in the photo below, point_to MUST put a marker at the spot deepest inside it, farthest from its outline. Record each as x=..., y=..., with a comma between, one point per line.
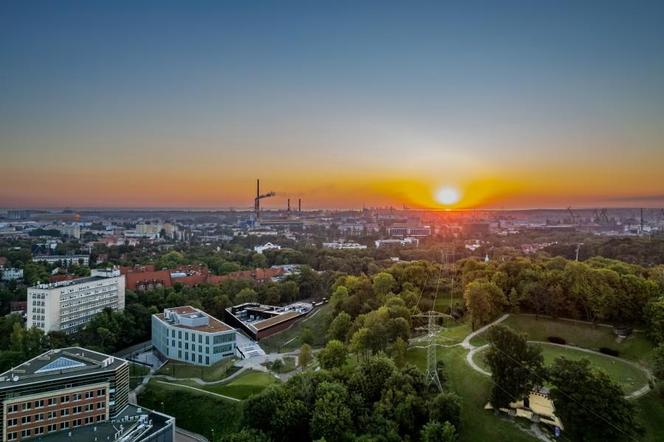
x=374, y=400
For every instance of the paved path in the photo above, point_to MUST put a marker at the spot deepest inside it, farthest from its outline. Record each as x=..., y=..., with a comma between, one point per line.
x=182, y=435
x=466, y=341
x=200, y=391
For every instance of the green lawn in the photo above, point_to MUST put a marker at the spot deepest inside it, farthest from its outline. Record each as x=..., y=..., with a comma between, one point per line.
x=635, y=348
x=630, y=378
x=453, y=332
x=247, y=384
x=473, y=388
x=215, y=372
x=289, y=340
x=198, y=412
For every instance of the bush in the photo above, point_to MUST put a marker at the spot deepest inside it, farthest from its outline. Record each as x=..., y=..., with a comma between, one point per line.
x=609, y=351
x=557, y=340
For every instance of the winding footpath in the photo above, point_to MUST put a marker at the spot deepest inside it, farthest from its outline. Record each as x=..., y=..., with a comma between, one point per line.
x=473, y=350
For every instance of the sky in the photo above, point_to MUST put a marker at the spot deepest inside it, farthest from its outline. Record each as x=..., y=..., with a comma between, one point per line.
x=344, y=104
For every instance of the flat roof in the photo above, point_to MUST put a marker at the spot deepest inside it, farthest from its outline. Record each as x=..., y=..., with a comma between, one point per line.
x=59, y=364
x=214, y=325
x=260, y=325
x=129, y=418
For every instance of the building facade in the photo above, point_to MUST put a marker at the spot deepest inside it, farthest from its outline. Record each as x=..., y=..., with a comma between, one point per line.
x=75, y=392
x=69, y=305
x=65, y=260
x=190, y=335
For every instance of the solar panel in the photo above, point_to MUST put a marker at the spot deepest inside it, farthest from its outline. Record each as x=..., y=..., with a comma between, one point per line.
x=60, y=364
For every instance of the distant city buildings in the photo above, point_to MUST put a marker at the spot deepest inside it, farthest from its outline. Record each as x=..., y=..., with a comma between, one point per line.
x=69, y=305
x=266, y=246
x=75, y=394
x=190, y=335
x=343, y=245
x=65, y=260
x=397, y=242
x=11, y=274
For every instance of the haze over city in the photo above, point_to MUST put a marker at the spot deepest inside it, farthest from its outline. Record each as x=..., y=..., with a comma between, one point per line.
x=345, y=104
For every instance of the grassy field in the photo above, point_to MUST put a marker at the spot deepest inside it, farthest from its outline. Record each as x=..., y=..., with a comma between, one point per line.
x=198, y=412
x=453, y=332
x=247, y=384
x=635, y=348
x=630, y=378
x=289, y=340
x=473, y=388
x=215, y=372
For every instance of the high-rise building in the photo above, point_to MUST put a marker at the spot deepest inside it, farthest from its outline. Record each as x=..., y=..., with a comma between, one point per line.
x=75, y=394
x=191, y=335
x=69, y=305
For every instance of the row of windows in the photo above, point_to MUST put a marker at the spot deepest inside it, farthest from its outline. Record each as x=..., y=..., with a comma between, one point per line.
x=64, y=399
x=54, y=427
x=39, y=417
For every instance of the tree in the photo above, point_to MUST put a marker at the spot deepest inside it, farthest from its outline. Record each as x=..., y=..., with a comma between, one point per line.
x=398, y=352
x=484, y=300
x=446, y=407
x=307, y=336
x=332, y=418
x=658, y=362
x=246, y=295
x=654, y=313
x=305, y=356
x=339, y=327
x=334, y=355
x=516, y=367
x=383, y=283
x=592, y=406
x=434, y=431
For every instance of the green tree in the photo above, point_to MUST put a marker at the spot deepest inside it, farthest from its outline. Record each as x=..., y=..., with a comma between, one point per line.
x=339, y=327
x=658, y=361
x=516, y=367
x=592, y=406
x=305, y=356
x=434, y=431
x=332, y=418
x=446, y=407
x=398, y=352
x=383, y=283
x=307, y=336
x=334, y=355
x=246, y=295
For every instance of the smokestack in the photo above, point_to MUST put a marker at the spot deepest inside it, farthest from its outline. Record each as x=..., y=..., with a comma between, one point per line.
x=289, y=204
x=258, y=188
x=299, y=205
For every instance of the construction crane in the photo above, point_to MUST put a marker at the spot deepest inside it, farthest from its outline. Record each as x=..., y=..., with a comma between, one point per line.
x=259, y=197
x=573, y=215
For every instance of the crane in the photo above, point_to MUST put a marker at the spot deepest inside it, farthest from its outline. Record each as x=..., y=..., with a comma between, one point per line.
x=259, y=197
x=573, y=215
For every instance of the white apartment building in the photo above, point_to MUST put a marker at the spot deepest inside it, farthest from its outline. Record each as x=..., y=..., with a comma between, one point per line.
x=11, y=274
x=69, y=305
x=191, y=335
x=267, y=246
x=341, y=245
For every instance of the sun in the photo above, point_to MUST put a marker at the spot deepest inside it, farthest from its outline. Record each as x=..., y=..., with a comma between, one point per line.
x=448, y=196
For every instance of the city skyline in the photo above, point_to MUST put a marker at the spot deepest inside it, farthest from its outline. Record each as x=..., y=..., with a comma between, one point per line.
x=165, y=105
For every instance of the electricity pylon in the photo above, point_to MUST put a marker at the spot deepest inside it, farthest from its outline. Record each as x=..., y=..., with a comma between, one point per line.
x=432, y=328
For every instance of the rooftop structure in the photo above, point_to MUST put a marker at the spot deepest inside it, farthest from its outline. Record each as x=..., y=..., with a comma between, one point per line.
x=260, y=321
x=62, y=390
x=191, y=335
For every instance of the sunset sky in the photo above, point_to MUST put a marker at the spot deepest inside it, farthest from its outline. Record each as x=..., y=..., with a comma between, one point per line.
x=344, y=104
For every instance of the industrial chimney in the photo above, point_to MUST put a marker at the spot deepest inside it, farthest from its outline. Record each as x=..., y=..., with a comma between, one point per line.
x=299, y=205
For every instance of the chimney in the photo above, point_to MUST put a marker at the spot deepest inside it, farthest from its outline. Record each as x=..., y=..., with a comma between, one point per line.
x=299, y=205
x=289, y=204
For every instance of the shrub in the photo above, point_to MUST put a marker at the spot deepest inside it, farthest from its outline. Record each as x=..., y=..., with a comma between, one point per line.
x=557, y=340
x=609, y=351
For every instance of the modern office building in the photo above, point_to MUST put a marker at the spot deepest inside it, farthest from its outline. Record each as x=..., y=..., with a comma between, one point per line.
x=69, y=305
x=75, y=394
x=260, y=321
x=190, y=335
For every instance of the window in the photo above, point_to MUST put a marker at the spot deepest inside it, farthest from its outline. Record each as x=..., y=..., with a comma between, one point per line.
x=12, y=436
x=39, y=417
x=26, y=419
x=25, y=433
x=12, y=408
x=39, y=430
x=101, y=405
x=200, y=339
x=64, y=399
x=53, y=427
x=27, y=406
x=12, y=422
x=52, y=415
x=207, y=339
x=64, y=412
x=64, y=425
x=51, y=401
x=39, y=403
x=207, y=360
